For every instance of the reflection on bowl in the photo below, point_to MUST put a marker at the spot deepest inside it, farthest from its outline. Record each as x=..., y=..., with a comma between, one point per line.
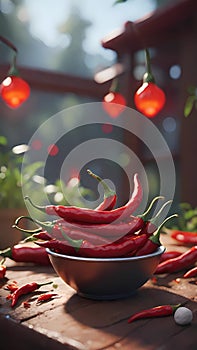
x=105, y=278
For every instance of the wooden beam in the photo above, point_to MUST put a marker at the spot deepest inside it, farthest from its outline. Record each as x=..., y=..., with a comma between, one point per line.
x=59, y=82
x=159, y=27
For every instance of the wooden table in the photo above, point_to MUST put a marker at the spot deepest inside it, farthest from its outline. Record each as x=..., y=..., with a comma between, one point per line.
x=75, y=323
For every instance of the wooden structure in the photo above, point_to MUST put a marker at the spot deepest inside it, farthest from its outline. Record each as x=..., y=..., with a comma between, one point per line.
x=71, y=322
x=172, y=32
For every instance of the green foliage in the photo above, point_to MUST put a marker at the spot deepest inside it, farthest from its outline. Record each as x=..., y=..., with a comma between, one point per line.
x=10, y=176
x=69, y=194
x=187, y=218
x=191, y=101
x=119, y=1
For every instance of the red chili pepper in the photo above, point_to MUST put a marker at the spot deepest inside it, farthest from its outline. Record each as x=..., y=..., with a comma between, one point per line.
x=72, y=213
x=157, y=311
x=12, y=286
x=150, y=226
x=191, y=273
x=45, y=297
x=149, y=98
x=26, y=289
x=185, y=237
x=153, y=241
x=114, y=102
x=170, y=255
x=182, y=262
x=84, y=248
x=3, y=269
x=110, y=196
x=22, y=253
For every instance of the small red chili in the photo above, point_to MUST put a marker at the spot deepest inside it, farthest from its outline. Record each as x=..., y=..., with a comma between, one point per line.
x=169, y=255
x=110, y=196
x=191, y=273
x=12, y=286
x=185, y=237
x=14, y=91
x=45, y=297
x=3, y=269
x=26, y=289
x=76, y=214
x=114, y=102
x=157, y=311
x=182, y=262
x=149, y=98
x=22, y=253
x=153, y=241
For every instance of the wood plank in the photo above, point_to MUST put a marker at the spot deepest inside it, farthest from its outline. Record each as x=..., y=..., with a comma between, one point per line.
x=75, y=323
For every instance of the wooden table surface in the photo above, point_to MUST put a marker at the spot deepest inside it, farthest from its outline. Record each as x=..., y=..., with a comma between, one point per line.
x=75, y=323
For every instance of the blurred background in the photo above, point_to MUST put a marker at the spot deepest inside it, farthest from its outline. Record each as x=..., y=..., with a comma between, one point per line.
x=60, y=51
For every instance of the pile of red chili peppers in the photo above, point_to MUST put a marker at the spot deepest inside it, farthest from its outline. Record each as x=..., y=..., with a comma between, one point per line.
x=103, y=232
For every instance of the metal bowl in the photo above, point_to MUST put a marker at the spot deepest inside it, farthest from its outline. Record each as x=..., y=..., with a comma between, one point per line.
x=105, y=278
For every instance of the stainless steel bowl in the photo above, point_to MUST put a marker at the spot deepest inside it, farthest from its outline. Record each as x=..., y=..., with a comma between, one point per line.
x=105, y=278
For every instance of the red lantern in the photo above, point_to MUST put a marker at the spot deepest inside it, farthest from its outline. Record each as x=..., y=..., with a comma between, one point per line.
x=14, y=91
x=114, y=102
x=149, y=98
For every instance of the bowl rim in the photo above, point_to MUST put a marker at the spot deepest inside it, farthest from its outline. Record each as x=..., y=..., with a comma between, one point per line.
x=160, y=250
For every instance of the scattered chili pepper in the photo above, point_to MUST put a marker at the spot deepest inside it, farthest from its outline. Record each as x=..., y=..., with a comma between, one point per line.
x=157, y=311
x=22, y=253
x=153, y=241
x=45, y=297
x=26, y=289
x=12, y=286
x=170, y=255
x=185, y=237
x=110, y=196
x=3, y=269
x=182, y=262
x=72, y=213
x=191, y=273
x=149, y=98
x=26, y=304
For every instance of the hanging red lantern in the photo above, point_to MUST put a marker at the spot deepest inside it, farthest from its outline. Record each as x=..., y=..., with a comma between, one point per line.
x=149, y=98
x=14, y=90
x=114, y=102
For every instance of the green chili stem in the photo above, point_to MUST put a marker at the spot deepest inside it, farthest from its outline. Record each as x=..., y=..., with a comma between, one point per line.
x=155, y=238
x=144, y=216
x=108, y=192
x=22, y=229
x=148, y=76
x=160, y=210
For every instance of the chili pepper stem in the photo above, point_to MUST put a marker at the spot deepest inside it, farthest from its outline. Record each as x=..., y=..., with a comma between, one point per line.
x=24, y=230
x=148, y=76
x=155, y=238
x=2, y=261
x=153, y=220
x=39, y=207
x=6, y=253
x=107, y=190
x=44, y=283
x=146, y=213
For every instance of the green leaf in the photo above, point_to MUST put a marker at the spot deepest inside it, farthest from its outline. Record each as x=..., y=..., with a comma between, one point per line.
x=3, y=141
x=189, y=105
x=192, y=90
x=119, y=1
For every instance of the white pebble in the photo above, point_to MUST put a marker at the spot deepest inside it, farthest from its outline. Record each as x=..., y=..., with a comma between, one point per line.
x=183, y=316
